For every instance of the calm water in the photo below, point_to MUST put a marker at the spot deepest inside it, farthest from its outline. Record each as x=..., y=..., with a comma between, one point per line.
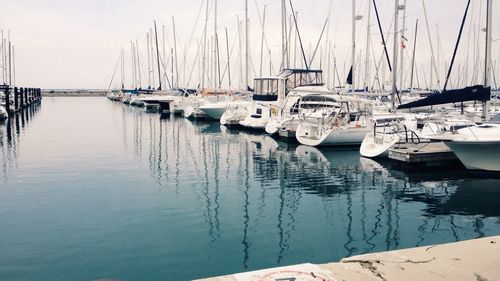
x=93, y=189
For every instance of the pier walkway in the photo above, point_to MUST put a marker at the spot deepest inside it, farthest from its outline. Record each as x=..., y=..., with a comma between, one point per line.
x=477, y=259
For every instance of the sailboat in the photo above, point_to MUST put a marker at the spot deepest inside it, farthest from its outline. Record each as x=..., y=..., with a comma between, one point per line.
x=299, y=103
x=344, y=125
x=477, y=147
x=390, y=132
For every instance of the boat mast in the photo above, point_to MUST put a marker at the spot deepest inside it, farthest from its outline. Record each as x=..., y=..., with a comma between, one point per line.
x=10, y=61
x=353, y=50
x=157, y=57
x=138, y=62
x=487, y=63
x=402, y=47
x=122, y=70
x=367, y=61
x=204, y=58
x=283, y=35
x=433, y=61
x=175, y=54
x=3, y=62
x=395, y=56
x=164, y=55
x=246, y=45
x=13, y=65
x=132, y=58
x=262, y=40
x=149, y=60
x=216, y=84
x=228, y=62
x=152, y=52
x=413, y=57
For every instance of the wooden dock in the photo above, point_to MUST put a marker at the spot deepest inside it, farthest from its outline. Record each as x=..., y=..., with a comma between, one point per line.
x=22, y=97
x=427, y=154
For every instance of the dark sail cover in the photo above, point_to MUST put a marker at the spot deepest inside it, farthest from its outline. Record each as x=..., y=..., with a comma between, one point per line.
x=477, y=92
x=349, y=77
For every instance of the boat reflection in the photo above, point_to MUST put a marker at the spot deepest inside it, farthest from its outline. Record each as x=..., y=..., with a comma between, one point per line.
x=11, y=131
x=354, y=205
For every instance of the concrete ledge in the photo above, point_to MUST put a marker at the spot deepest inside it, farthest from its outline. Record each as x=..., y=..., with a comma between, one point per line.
x=477, y=259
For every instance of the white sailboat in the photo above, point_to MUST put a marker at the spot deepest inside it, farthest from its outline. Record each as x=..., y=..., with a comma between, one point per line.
x=346, y=124
x=301, y=103
x=216, y=110
x=234, y=113
x=288, y=112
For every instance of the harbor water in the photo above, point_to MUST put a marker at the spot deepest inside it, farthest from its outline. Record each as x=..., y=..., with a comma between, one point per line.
x=93, y=189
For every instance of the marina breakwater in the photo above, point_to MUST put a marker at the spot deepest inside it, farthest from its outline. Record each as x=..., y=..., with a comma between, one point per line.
x=467, y=260
x=74, y=92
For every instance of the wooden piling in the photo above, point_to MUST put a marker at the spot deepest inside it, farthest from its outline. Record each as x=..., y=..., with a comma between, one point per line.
x=21, y=98
x=7, y=99
x=25, y=97
x=16, y=99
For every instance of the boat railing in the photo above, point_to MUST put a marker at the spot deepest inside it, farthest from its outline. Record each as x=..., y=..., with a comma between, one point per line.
x=473, y=134
x=396, y=128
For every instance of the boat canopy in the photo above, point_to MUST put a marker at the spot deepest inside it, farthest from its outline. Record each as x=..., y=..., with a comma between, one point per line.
x=477, y=92
x=266, y=89
x=270, y=88
x=302, y=77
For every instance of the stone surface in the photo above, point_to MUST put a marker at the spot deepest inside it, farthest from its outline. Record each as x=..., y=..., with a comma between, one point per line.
x=477, y=259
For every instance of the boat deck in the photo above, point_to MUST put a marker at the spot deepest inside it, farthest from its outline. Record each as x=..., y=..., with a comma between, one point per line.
x=427, y=154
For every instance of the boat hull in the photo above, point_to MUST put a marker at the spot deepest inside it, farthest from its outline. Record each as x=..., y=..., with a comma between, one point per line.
x=336, y=136
x=213, y=111
x=374, y=146
x=480, y=156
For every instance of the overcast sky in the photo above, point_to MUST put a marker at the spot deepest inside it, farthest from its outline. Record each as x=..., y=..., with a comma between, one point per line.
x=76, y=44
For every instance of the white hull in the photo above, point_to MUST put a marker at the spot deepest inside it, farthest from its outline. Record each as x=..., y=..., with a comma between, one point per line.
x=335, y=136
x=213, y=111
x=217, y=110
x=191, y=112
x=477, y=155
x=235, y=113
x=378, y=145
x=276, y=126
x=136, y=102
x=3, y=113
x=257, y=117
x=254, y=123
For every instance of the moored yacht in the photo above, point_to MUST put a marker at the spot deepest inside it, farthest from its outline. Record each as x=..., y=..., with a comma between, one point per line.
x=299, y=103
x=270, y=93
x=344, y=125
x=477, y=147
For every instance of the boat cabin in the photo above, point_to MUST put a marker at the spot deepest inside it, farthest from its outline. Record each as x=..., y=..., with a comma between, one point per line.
x=277, y=88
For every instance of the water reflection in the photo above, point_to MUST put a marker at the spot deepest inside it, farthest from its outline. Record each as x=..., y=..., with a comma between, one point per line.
x=178, y=194
x=11, y=131
x=363, y=205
